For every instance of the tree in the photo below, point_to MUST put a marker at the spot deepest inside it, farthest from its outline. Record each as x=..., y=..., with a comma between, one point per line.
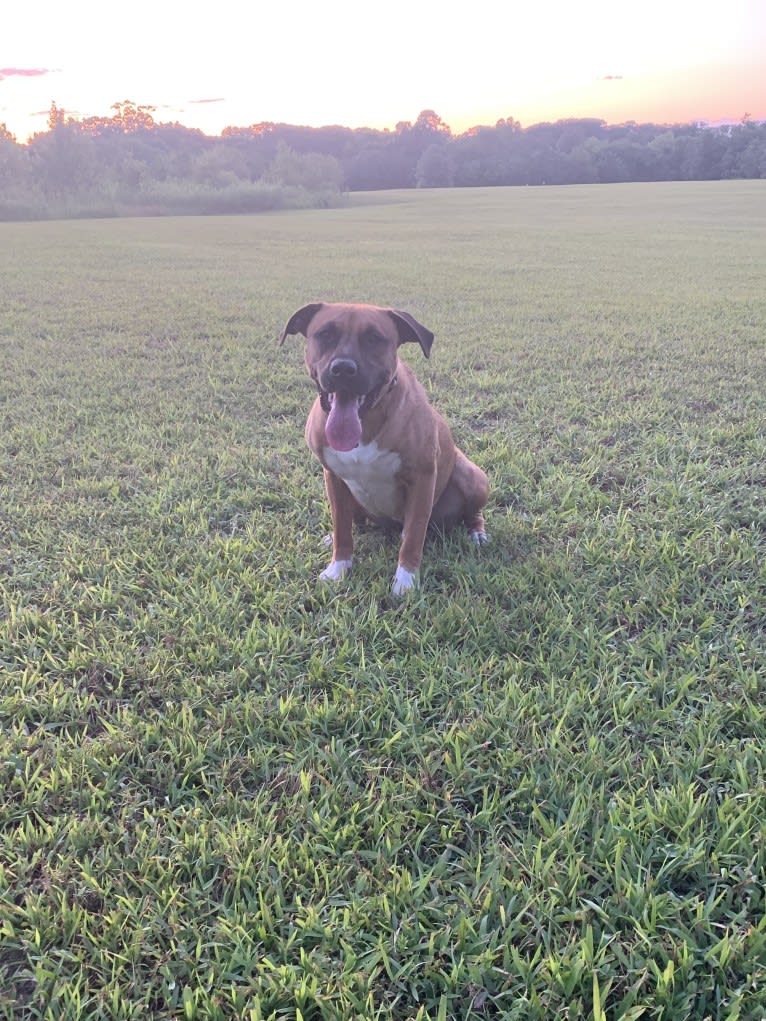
x=219, y=167
x=753, y=161
x=312, y=171
x=130, y=117
x=581, y=166
x=435, y=168
x=378, y=166
x=489, y=156
x=666, y=156
x=55, y=116
x=704, y=152
x=63, y=160
x=429, y=121
x=13, y=162
x=113, y=162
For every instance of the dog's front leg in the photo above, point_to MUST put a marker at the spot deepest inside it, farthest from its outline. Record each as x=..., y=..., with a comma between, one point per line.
x=417, y=513
x=342, y=506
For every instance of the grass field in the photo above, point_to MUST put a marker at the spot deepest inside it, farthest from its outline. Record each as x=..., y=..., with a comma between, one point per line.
x=533, y=790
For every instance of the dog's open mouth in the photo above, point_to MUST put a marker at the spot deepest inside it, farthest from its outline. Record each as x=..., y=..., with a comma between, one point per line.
x=343, y=428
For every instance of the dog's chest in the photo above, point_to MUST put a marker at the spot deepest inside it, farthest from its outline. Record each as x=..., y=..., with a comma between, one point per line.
x=370, y=474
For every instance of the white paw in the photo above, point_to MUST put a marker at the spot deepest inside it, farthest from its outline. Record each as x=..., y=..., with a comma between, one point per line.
x=404, y=580
x=335, y=570
x=479, y=538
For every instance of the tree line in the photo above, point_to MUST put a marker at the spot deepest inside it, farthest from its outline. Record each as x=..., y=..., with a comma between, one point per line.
x=129, y=163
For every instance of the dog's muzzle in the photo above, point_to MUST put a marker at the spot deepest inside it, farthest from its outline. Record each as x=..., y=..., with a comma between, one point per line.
x=345, y=407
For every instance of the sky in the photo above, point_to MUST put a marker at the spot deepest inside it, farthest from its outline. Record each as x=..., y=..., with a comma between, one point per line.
x=359, y=64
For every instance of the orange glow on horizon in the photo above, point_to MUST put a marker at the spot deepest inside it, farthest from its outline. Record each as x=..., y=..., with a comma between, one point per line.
x=692, y=60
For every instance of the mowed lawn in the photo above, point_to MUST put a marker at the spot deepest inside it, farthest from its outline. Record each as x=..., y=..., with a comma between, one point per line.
x=532, y=790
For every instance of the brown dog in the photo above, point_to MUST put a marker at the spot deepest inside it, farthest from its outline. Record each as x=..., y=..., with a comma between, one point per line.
x=387, y=454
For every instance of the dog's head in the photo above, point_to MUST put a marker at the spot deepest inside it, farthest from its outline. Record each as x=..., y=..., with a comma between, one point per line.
x=352, y=355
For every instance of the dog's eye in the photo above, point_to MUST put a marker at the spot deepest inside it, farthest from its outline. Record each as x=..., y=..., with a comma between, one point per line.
x=373, y=337
x=327, y=334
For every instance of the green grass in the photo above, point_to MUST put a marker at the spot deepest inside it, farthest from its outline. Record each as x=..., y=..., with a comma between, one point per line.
x=533, y=790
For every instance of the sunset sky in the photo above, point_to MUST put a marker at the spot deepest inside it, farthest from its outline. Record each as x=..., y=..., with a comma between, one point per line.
x=343, y=62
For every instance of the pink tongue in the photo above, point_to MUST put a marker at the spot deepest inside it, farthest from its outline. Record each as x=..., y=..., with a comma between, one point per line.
x=343, y=428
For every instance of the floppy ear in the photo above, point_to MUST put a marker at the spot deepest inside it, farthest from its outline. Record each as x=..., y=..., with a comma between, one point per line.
x=410, y=329
x=299, y=321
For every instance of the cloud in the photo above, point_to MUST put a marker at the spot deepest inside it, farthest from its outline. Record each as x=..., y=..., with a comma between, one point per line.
x=219, y=99
x=24, y=72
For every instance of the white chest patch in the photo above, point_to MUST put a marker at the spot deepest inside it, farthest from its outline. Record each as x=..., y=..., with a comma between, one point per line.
x=370, y=474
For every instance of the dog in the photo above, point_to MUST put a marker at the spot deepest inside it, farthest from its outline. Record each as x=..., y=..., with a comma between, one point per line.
x=387, y=454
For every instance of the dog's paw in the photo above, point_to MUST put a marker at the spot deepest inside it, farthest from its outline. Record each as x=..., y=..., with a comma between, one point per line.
x=478, y=538
x=404, y=580
x=335, y=570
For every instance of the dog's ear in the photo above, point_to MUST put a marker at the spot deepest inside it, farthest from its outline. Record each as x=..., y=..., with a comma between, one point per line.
x=299, y=321
x=410, y=329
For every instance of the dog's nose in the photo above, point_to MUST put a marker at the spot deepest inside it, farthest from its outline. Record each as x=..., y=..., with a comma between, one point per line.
x=343, y=368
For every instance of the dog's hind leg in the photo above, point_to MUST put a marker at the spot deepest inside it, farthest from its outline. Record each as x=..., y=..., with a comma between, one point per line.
x=463, y=499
